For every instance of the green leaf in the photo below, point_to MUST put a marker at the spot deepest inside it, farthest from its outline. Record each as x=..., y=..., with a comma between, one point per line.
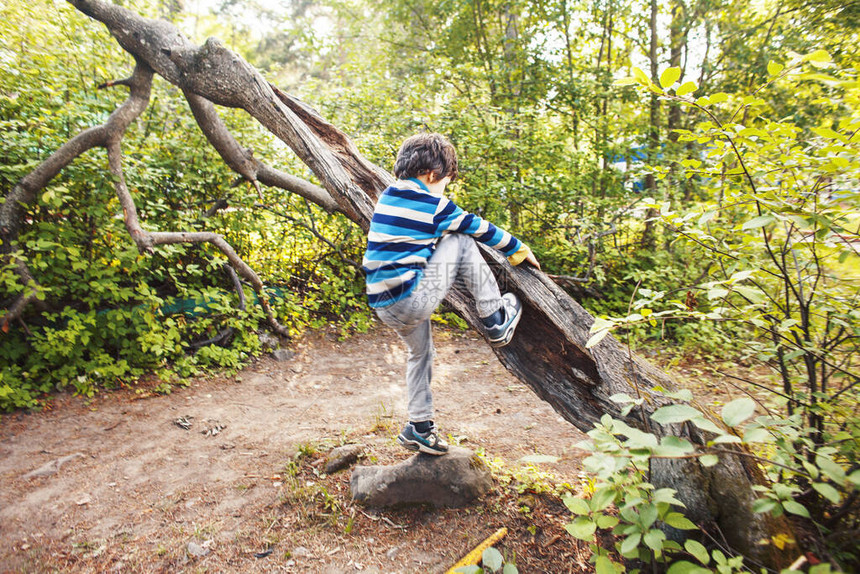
x=641, y=77
x=754, y=294
x=625, y=81
x=648, y=515
x=795, y=508
x=607, y=521
x=684, y=567
x=604, y=565
x=818, y=56
x=674, y=446
x=622, y=398
x=492, y=559
x=773, y=68
x=686, y=88
x=738, y=411
x=707, y=425
x=717, y=293
x=830, y=469
x=596, y=338
x=698, y=551
x=763, y=505
x=582, y=528
x=726, y=438
x=827, y=491
x=827, y=133
x=708, y=460
x=576, y=505
x=666, y=495
x=757, y=222
x=670, y=76
x=654, y=539
x=757, y=434
x=671, y=414
x=630, y=543
x=510, y=569
x=680, y=394
x=679, y=521
x=811, y=469
x=601, y=499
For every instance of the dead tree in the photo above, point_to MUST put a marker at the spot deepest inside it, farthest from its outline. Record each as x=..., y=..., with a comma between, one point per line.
x=549, y=353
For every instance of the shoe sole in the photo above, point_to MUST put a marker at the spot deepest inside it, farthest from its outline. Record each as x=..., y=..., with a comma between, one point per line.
x=509, y=333
x=416, y=446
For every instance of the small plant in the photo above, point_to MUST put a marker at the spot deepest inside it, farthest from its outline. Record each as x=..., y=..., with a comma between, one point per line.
x=527, y=477
x=629, y=506
x=492, y=561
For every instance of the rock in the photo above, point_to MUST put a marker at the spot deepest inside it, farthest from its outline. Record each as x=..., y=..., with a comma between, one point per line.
x=283, y=355
x=195, y=549
x=453, y=480
x=52, y=467
x=268, y=341
x=343, y=457
x=301, y=552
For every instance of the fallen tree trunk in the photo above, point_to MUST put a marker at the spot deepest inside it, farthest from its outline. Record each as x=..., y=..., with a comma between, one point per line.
x=548, y=354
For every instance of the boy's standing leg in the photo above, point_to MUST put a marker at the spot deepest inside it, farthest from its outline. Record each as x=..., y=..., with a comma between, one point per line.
x=456, y=256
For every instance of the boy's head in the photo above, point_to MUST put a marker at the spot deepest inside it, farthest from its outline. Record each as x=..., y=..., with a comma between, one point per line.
x=426, y=154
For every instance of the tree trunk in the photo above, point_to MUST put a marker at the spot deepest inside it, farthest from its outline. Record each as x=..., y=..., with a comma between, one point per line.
x=548, y=353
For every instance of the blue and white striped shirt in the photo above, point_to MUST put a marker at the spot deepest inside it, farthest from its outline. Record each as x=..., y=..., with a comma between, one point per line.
x=407, y=223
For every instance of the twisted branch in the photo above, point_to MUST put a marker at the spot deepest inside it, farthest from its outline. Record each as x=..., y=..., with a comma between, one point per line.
x=24, y=193
x=109, y=135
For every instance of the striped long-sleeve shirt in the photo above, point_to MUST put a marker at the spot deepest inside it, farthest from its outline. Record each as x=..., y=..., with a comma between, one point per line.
x=407, y=223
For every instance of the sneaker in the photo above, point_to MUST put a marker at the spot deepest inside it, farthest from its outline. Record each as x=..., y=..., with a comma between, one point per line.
x=501, y=333
x=428, y=442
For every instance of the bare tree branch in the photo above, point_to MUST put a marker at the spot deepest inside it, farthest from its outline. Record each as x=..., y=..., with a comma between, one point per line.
x=242, y=160
x=146, y=241
x=24, y=192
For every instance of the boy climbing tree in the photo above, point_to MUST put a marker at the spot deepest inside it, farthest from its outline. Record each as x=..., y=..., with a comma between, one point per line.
x=419, y=243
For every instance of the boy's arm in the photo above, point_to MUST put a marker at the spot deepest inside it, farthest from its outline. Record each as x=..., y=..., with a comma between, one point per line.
x=452, y=218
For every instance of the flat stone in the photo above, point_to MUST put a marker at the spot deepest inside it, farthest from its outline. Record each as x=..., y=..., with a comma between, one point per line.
x=343, y=457
x=52, y=467
x=283, y=355
x=268, y=341
x=197, y=550
x=452, y=480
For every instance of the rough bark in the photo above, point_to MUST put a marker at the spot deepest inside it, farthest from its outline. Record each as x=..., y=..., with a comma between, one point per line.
x=549, y=353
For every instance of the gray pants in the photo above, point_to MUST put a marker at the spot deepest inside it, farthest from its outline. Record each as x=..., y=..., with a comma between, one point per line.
x=456, y=257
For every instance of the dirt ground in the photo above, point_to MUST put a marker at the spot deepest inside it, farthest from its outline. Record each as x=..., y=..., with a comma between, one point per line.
x=242, y=490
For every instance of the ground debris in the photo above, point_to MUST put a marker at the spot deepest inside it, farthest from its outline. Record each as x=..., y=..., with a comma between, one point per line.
x=52, y=467
x=184, y=422
x=214, y=429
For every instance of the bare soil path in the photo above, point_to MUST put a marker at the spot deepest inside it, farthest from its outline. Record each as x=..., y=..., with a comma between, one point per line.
x=116, y=484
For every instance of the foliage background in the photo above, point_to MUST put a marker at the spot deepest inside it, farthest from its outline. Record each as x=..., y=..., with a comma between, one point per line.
x=711, y=207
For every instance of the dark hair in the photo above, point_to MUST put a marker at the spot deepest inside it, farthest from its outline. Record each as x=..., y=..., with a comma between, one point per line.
x=426, y=153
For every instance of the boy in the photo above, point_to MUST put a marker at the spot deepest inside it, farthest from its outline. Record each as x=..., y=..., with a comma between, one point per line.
x=420, y=242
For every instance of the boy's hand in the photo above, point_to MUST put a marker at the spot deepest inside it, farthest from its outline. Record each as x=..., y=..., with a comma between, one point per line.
x=524, y=253
x=530, y=257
